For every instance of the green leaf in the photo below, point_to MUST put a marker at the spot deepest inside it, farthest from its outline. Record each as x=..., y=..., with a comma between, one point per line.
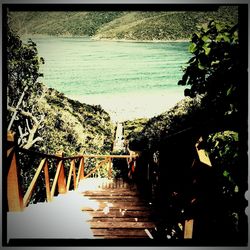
x=205, y=39
x=207, y=51
x=192, y=48
x=225, y=173
x=235, y=136
x=215, y=62
x=200, y=66
x=218, y=27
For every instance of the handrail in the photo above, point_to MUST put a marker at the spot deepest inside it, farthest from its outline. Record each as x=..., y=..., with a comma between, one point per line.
x=55, y=179
x=72, y=168
x=31, y=187
x=69, y=157
x=60, y=180
x=100, y=164
x=80, y=171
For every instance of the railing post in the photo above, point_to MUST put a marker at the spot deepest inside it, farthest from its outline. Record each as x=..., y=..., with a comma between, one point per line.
x=61, y=178
x=47, y=182
x=14, y=193
x=82, y=168
x=109, y=168
x=188, y=229
x=74, y=174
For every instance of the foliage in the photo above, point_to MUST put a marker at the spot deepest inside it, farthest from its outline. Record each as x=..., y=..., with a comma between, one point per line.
x=231, y=177
x=134, y=126
x=215, y=76
x=215, y=69
x=185, y=114
x=65, y=127
x=22, y=66
x=224, y=151
x=61, y=23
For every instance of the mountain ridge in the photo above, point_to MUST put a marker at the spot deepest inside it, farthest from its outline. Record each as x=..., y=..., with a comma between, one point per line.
x=126, y=25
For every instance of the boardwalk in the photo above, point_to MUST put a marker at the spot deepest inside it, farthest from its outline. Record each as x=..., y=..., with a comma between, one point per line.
x=119, y=141
x=121, y=213
x=99, y=208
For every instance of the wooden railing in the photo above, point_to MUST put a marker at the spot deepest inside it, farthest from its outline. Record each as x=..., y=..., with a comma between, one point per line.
x=15, y=198
x=17, y=202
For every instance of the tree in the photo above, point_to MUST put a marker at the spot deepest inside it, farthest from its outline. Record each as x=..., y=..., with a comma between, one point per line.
x=23, y=71
x=215, y=69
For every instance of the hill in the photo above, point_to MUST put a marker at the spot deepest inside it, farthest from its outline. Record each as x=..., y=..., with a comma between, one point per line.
x=71, y=126
x=128, y=25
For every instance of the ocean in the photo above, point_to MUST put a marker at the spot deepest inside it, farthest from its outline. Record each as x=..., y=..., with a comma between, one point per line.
x=128, y=79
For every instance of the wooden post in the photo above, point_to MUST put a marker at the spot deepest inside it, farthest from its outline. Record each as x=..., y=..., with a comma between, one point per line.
x=47, y=182
x=109, y=169
x=61, y=178
x=74, y=174
x=14, y=194
x=82, y=168
x=188, y=229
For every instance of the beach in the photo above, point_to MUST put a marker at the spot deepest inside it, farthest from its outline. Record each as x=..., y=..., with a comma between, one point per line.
x=129, y=106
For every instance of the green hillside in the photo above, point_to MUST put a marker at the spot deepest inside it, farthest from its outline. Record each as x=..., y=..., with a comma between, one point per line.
x=131, y=25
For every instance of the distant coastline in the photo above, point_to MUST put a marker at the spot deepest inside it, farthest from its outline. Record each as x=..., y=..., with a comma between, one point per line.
x=140, y=41
x=33, y=36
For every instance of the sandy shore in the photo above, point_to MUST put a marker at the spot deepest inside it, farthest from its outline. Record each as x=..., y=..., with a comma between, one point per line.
x=123, y=107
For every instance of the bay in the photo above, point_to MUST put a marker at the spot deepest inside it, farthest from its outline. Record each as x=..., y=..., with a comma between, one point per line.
x=128, y=79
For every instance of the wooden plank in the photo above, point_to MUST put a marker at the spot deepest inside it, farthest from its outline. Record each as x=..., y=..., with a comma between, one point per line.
x=124, y=237
x=72, y=166
x=14, y=193
x=61, y=183
x=100, y=164
x=32, y=185
x=120, y=219
x=115, y=198
x=188, y=229
x=109, y=167
x=115, y=205
x=109, y=194
x=203, y=154
x=131, y=225
x=122, y=213
x=119, y=232
x=82, y=168
x=47, y=182
x=55, y=179
x=127, y=208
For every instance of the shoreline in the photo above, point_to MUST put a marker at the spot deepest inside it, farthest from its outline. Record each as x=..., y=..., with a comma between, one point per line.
x=140, y=41
x=30, y=36
x=122, y=107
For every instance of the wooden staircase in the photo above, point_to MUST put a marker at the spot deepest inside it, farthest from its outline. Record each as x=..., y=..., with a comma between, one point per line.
x=121, y=213
x=100, y=208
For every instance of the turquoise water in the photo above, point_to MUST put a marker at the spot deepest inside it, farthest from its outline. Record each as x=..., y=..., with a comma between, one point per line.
x=104, y=72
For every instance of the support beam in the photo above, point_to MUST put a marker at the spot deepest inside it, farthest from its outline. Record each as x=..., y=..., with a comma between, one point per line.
x=62, y=189
x=188, y=229
x=14, y=193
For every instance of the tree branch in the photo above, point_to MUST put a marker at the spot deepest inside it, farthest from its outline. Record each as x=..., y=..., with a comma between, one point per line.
x=28, y=143
x=16, y=109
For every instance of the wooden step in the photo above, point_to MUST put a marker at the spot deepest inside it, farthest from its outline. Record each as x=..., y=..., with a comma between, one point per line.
x=110, y=193
x=120, y=213
x=128, y=225
x=120, y=233
x=111, y=198
x=120, y=219
x=117, y=207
